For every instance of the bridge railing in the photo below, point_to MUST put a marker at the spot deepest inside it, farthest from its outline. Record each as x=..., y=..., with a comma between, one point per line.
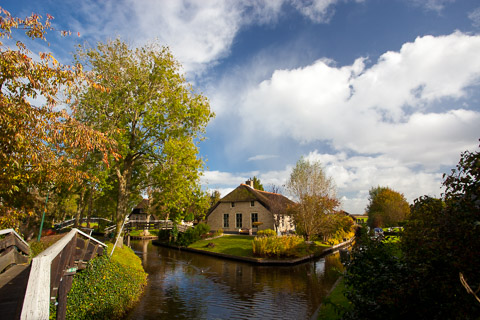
x=13, y=249
x=71, y=222
x=52, y=273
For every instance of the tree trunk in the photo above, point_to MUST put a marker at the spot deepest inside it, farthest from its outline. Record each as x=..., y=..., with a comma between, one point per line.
x=80, y=208
x=124, y=178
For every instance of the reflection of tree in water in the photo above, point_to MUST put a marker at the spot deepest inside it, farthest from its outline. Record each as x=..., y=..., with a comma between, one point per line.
x=197, y=286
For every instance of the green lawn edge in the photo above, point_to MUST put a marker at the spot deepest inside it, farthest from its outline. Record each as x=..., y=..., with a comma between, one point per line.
x=335, y=304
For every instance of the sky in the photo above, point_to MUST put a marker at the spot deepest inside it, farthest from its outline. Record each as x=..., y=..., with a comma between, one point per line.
x=381, y=92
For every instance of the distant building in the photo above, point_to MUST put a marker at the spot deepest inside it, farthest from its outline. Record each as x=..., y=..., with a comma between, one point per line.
x=140, y=212
x=244, y=206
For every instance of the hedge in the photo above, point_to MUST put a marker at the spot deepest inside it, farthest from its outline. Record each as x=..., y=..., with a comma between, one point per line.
x=108, y=287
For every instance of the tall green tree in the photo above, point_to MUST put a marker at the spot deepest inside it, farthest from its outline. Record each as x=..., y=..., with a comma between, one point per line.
x=315, y=194
x=257, y=184
x=155, y=117
x=386, y=207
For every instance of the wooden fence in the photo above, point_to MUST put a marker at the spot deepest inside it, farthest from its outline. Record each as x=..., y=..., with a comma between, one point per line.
x=71, y=222
x=52, y=273
x=13, y=249
x=153, y=224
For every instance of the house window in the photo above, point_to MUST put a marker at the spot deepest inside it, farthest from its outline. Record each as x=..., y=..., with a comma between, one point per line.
x=232, y=204
x=239, y=220
x=225, y=220
x=254, y=218
x=252, y=203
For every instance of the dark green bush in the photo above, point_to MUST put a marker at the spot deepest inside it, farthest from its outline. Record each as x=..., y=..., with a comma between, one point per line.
x=108, y=288
x=192, y=235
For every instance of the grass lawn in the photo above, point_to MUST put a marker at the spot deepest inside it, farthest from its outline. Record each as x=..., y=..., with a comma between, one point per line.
x=333, y=302
x=228, y=244
x=136, y=233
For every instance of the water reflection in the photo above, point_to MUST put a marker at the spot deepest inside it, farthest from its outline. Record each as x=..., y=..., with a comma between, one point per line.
x=183, y=285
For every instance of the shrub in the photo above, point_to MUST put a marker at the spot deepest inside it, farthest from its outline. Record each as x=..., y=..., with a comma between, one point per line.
x=217, y=233
x=266, y=233
x=108, y=287
x=192, y=235
x=283, y=246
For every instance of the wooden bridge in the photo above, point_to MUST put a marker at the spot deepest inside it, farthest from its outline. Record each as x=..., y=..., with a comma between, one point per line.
x=26, y=290
x=153, y=224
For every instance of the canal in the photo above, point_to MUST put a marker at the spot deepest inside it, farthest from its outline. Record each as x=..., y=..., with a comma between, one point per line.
x=184, y=285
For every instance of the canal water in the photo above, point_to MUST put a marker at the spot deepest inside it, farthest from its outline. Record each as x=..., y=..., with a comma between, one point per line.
x=184, y=285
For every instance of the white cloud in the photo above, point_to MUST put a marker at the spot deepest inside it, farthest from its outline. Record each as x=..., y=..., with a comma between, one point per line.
x=433, y=5
x=475, y=17
x=199, y=33
x=262, y=157
x=387, y=108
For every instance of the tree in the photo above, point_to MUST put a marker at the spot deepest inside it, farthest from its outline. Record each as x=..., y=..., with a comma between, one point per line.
x=315, y=193
x=257, y=184
x=214, y=198
x=40, y=144
x=435, y=276
x=386, y=207
x=155, y=117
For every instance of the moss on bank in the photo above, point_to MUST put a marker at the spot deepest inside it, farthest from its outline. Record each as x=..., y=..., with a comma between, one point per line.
x=108, y=287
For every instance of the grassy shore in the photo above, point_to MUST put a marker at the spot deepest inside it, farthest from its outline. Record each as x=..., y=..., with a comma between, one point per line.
x=335, y=303
x=241, y=245
x=229, y=244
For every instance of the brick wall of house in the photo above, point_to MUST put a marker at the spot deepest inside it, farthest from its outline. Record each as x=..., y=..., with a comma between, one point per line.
x=215, y=219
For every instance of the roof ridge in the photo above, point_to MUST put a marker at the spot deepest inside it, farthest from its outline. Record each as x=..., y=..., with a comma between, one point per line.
x=278, y=194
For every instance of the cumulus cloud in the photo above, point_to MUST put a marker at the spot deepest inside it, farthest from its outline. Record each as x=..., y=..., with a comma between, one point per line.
x=199, y=33
x=356, y=175
x=387, y=108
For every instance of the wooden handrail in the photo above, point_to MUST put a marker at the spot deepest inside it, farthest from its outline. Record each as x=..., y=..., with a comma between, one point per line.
x=5, y=231
x=39, y=288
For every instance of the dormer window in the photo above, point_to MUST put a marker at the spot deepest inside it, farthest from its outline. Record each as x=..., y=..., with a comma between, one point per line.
x=232, y=204
x=252, y=203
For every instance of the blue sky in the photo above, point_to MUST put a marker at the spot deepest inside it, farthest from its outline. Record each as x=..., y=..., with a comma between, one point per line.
x=382, y=92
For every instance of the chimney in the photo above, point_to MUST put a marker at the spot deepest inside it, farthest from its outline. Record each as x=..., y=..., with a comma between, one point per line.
x=249, y=183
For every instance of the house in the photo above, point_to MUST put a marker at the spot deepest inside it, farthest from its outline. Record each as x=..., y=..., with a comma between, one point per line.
x=139, y=213
x=244, y=206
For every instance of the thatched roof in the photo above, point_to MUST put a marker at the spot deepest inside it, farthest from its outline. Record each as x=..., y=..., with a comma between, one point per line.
x=244, y=193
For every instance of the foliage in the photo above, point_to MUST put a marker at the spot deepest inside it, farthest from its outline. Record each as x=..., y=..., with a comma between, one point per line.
x=154, y=116
x=439, y=242
x=335, y=304
x=257, y=184
x=279, y=247
x=373, y=277
x=214, y=198
x=315, y=194
x=40, y=143
x=386, y=207
x=192, y=234
x=108, y=287
x=266, y=233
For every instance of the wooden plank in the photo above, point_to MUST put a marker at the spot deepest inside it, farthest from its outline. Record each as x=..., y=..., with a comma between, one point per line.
x=37, y=297
x=13, y=284
x=5, y=231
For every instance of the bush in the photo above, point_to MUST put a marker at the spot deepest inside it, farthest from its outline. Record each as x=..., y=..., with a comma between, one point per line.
x=284, y=246
x=192, y=235
x=266, y=233
x=108, y=287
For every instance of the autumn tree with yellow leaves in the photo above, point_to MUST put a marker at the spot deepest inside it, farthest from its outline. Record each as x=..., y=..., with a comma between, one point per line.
x=41, y=144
